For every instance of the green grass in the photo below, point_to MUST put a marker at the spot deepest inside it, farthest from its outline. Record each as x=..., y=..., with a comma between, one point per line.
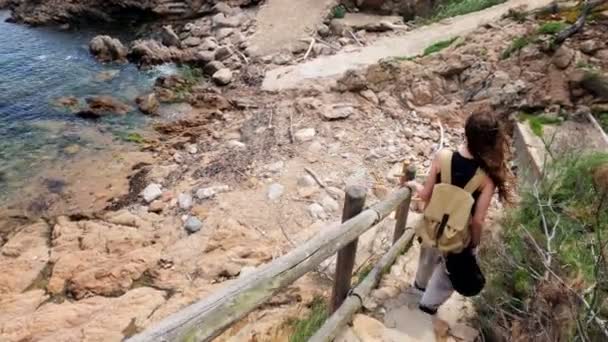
x=568, y=199
x=551, y=27
x=304, y=328
x=537, y=122
x=436, y=47
x=516, y=45
x=454, y=8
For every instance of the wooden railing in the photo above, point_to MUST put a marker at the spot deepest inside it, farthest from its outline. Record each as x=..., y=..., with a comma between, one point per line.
x=209, y=317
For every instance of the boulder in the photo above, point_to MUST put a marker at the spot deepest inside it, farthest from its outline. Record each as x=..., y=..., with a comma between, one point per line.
x=152, y=192
x=563, y=57
x=192, y=41
x=222, y=77
x=222, y=53
x=213, y=67
x=305, y=134
x=169, y=37
x=204, y=57
x=100, y=106
x=590, y=46
x=107, y=49
x=148, y=104
x=151, y=52
x=208, y=44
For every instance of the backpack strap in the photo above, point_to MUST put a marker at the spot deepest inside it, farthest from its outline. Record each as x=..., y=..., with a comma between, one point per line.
x=445, y=162
x=475, y=182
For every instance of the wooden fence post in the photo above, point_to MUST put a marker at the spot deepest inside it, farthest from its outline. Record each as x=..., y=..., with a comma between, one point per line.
x=408, y=173
x=353, y=204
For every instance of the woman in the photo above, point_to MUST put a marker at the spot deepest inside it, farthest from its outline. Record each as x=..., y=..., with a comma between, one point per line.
x=486, y=149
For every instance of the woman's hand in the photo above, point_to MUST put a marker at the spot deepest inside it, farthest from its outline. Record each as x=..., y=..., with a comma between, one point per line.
x=415, y=186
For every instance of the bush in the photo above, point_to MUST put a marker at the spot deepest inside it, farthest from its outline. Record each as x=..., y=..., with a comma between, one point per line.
x=552, y=27
x=438, y=46
x=549, y=274
x=537, y=122
x=516, y=45
x=454, y=8
x=304, y=328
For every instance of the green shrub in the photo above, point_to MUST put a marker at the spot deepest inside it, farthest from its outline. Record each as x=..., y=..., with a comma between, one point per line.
x=537, y=122
x=304, y=328
x=516, y=45
x=564, y=210
x=552, y=27
x=454, y=8
x=436, y=47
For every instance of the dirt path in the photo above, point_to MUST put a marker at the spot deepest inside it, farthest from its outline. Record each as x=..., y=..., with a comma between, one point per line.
x=410, y=44
x=298, y=19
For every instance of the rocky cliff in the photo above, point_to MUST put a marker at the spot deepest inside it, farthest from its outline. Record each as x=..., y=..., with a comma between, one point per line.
x=44, y=12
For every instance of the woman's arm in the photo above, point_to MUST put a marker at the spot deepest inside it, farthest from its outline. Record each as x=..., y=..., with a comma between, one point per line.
x=481, y=210
x=425, y=192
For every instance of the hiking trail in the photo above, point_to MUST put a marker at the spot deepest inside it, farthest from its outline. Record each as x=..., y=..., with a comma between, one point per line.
x=410, y=44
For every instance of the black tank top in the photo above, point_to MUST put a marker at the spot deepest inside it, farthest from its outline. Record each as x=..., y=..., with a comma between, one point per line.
x=463, y=169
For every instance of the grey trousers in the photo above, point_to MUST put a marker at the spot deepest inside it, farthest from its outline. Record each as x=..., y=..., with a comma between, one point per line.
x=433, y=277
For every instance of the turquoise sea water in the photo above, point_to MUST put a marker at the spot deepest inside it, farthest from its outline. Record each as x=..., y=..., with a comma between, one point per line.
x=40, y=65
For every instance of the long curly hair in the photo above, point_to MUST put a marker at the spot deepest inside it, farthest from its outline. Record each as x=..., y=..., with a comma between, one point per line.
x=487, y=142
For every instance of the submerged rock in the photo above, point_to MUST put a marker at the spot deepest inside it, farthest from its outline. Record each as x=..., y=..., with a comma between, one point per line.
x=107, y=49
x=148, y=104
x=100, y=106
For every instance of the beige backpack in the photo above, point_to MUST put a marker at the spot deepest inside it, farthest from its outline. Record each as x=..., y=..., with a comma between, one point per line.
x=445, y=224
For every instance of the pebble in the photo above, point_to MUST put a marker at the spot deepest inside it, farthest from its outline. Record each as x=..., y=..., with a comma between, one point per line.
x=156, y=206
x=305, y=134
x=191, y=148
x=193, y=224
x=222, y=77
x=184, y=201
x=338, y=113
x=275, y=191
x=306, y=181
x=329, y=204
x=151, y=192
x=206, y=193
x=316, y=211
x=237, y=145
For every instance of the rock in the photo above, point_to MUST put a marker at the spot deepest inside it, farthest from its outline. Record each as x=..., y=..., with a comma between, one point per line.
x=344, y=41
x=107, y=49
x=337, y=27
x=246, y=270
x=184, y=201
x=237, y=145
x=337, y=112
x=69, y=102
x=590, y=46
x=275, y=191
x=193, y=224
x=213, y=67
x=157, y=206
x=148, y=104
x=151, y=192
x=563, y=56
x=204, y=57
x=352, y=81
x=222, y=77
x=192, y=41
x=275, y=167
x=151, y=52
x=100, y=106
x=206, y=193
x=323, y=30
x=191, y=148
x=282, y=58
x=209, y=44
x=169, y=37
x=224, y=33
x=106, y=75
x=221, y=21
x=316, y=211
x=329, y=204
x=222, y=53
x=335, y=193
x=224, y=8
x=305, y=134
x=306, y=181
x=321, y=49
x=370, y=96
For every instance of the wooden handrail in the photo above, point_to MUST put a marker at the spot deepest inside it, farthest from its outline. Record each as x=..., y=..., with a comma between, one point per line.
x=209, y=317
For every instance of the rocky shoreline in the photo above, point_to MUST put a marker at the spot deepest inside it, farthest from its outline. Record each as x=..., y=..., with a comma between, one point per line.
x=228, y=186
